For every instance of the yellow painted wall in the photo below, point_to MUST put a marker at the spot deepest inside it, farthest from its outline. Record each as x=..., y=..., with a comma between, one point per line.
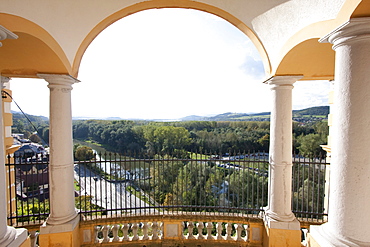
x=281, y=237
x=62, y=239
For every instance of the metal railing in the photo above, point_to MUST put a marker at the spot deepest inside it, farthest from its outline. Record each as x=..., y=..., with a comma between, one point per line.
x=28, y=192
x=112, y=185
x=120, y=185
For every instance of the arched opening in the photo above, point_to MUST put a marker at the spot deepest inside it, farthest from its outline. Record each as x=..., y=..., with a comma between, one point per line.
x=170, y=60
x=184, y=4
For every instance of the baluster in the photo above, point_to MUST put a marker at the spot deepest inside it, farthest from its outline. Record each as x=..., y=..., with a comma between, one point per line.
x=96, y=233
x=105, y=230
x=124, y=228
x=209, y=226
x=155, y=230
x=200, y=227
x=219, y=230
x=228, y=231
x=239, y=229
x=135, y=227
x=246, y=227
x=191, y=229
x=183, y=229
x=145, y=231
x=115, y=229
x=33, y=237
x=304, y=232
x=161, y=226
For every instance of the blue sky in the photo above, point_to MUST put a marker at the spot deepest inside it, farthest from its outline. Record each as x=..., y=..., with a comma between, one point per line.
x=168, y=64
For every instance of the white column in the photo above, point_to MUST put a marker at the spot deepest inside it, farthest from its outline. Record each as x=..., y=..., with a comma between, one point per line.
x=349, y=205
x=9, y=236
x=61, y=173
x=278, y=213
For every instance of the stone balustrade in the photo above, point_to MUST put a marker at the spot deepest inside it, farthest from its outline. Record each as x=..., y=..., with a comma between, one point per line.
x=174, y=230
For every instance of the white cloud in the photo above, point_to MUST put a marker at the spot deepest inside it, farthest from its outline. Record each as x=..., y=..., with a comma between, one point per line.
x=310, y=93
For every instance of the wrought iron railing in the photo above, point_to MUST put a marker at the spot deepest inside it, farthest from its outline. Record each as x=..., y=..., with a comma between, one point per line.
x=112, y=185
x=120, y=185
x=28, y=193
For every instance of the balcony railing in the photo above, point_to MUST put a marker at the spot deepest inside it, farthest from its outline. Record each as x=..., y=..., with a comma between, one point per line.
x=112, y=186
x=192, y=229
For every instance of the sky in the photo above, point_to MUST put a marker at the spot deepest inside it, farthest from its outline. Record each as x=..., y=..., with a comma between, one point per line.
x=168, y=64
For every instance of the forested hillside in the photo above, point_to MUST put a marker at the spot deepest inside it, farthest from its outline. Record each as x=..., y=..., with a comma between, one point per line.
x=215, y=136
x=311, y=114
x=22, y=125
x=221, y=137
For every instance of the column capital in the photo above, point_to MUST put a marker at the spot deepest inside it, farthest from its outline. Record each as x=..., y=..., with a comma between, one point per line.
x=56, y=80
x=353, y=30
x=282, y=81
x=6, y=34
x=3, y=80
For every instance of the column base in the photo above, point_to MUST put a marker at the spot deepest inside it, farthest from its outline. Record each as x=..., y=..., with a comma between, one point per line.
x=319, y=236
x=14, y=237
x=66, y=234
x=281, y=233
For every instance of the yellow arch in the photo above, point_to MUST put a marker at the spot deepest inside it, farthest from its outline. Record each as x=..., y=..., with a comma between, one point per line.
x=362, y=10
x=302, y=54
x=35, y=51
x=311, y=59
x=169, y=4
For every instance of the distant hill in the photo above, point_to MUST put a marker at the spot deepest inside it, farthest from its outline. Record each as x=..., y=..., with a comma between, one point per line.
x=34, y=119
x=304, y=115
x=316, y=113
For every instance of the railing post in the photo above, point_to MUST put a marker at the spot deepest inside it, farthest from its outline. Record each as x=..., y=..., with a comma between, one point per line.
x=173, y=232
x=255, y=233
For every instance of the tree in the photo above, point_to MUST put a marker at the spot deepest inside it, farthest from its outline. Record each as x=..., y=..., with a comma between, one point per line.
x=83, y=153
x=167, y=138
x=264, y=141
x=35, y=138
x=190, y=186
x=248, y=188
x=309, y=145
x=163, y=174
